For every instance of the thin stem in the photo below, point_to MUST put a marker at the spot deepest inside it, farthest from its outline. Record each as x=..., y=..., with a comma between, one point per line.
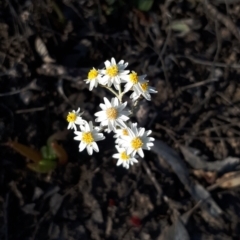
x=112, y=91
x=120, y=93
x=120, y=96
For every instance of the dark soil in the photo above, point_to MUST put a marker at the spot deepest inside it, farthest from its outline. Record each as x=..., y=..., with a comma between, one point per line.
x=190, y=51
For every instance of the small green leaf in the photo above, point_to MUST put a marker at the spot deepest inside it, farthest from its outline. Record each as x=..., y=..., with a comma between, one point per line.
x=180, y=26
x=145, y=5
x=44, y=166
x=48, y=164
x=48, y=153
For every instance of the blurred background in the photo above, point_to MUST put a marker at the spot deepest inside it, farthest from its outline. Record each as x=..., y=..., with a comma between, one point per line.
x=187, y=187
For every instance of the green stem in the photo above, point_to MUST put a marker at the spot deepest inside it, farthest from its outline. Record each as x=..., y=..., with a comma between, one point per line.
x=112, y=91
x=120, y=93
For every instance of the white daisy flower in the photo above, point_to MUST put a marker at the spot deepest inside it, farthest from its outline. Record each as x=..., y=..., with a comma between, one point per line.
x=94, y=77
x=124, y=158
x=137, y=140
x=112, y=114
x=74, y=118
x=114, y=73
x=88, y=137
x=120, y=132
x=133, y=81
x=146, y=90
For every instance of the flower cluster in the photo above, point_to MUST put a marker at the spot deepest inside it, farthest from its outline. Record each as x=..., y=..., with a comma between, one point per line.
x=114, y=116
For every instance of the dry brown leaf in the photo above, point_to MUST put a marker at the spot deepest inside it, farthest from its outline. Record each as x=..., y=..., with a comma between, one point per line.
x=197, y=191
x=209, y=176
x=229, y=180
x=197, y=162
x=42, y=51
x=176, y=231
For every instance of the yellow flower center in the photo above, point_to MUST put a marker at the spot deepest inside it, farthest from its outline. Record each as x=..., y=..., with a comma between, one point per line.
x=112, y=71
x=144, y=86
x=125, y=132
x=71, y=117
x=124, y=156
x=92, y=74
x=136, y=143
x=133, y=77
x=87, y=137
x=112, y=113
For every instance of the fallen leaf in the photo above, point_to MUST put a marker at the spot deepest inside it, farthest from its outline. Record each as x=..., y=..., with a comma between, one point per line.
x=175, y=232
x=145, y=5
x=42, y=51
x=197, y=162
x=197, y=191
x=210, y=177
x=229, y=180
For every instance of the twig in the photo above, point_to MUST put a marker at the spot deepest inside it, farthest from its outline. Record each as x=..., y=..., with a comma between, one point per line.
x=226, y=21
x=153, y=179
x=187, y=137
x=61, y=91
x=209, y=63
x=30, y=110
x=47, y=214
x=112, y=91
x=228, y=101
x=198, y=84
x=32, y=85
x=14, y=92
x=17, y=193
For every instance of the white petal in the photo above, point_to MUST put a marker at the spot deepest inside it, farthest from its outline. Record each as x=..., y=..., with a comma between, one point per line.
x=82, y=127
x=107, y=63
x=127, y=87
x=82, y=146
x=102, y=106
x=142, y=77
x=140, y=152
x=95, y=147
x=148, y=132
x=116, y=85
x=99, y=137
x=74, y=127
x=116, y=155
x=112, y=101
x=119, y=162
x=100, y=113
x=110, y=125
x=152, y=90
x=78, y=138
x=134, y=129
x=107, y=103
x=134, y=160
x=131, y=133
x=141, y=132
x=125, y=78
x=89, y=150
x=120, y=62
x=113, y=61
x=91, y=85
x=124, y=117
x=129, y=151
x=127, y=166
x=90, y=126
x=104, y=80
x=104, y=122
